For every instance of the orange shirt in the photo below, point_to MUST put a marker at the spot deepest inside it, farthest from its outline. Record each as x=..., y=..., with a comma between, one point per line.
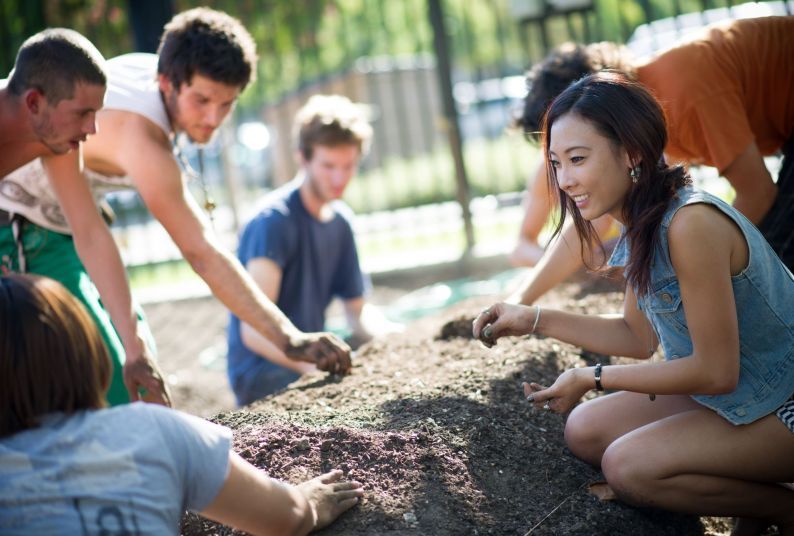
x=732, y=85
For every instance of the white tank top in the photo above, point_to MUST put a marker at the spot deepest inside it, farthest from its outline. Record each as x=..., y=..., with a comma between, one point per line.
x=132, y=87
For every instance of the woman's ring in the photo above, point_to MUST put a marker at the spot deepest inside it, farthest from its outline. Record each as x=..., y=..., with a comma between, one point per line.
x=546, y=405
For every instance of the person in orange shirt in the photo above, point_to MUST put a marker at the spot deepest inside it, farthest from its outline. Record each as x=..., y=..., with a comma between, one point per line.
x=728, y=96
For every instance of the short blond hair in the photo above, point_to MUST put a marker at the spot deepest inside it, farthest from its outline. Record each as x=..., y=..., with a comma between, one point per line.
x=331, y=120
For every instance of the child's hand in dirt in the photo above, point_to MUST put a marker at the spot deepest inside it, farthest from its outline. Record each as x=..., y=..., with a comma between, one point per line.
x=501, y=320
x=563, y=395
x=329, y=496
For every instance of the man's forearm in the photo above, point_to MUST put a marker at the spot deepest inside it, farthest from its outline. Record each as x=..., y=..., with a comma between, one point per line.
x=95, y=245
x=232, y=285
x=100, y=256
x=265, y=349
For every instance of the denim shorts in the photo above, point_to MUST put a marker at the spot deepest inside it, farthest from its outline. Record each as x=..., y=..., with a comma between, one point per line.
x=786, y=413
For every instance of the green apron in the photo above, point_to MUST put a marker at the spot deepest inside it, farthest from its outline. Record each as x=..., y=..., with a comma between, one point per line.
x=53, y=255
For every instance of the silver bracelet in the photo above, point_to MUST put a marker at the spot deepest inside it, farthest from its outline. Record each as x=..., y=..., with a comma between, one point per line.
x=537, y=318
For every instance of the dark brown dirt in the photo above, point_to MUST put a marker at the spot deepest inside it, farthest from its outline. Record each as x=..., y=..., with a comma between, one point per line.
x=435, y=426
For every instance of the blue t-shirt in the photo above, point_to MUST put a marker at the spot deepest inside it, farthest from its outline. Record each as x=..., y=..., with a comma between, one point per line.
x=131, y=469
x=318, y=261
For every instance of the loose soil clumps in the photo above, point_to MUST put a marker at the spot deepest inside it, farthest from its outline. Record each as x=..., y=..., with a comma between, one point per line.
x=435, y=426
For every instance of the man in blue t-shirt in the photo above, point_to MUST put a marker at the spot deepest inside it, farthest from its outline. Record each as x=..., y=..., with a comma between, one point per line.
x=300, y=248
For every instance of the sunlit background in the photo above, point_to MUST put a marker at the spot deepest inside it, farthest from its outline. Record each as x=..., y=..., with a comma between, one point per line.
x=443, y=80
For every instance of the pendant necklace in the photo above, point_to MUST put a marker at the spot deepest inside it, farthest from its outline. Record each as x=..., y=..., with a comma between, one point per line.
x=209, y=203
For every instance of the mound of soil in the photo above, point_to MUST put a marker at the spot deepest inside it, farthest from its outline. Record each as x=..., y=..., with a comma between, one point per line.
x=435, y=426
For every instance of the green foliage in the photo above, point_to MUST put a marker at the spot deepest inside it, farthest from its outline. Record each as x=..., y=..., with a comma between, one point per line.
x=303, y=41
x=300, y=41
x=493, y=166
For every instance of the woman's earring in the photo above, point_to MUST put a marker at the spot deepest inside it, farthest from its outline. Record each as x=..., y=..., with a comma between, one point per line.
x=634, y=173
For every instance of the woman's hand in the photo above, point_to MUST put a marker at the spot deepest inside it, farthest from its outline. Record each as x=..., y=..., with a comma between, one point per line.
x=329, y=496
x=564, y=394
x=502, y=320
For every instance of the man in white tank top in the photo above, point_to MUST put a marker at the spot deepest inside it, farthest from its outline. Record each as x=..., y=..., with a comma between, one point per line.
x=48, y=107
x=206, y=59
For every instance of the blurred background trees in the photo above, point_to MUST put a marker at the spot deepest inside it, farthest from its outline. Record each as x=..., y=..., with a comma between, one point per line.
x=420, y=190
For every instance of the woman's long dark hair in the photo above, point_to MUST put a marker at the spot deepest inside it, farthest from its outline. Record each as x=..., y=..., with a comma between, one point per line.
x=628, y=115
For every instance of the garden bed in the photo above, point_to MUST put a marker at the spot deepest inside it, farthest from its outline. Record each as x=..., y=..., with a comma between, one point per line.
x=435, y=427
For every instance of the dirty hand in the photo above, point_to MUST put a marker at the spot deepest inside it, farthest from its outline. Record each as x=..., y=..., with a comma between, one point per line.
x=564, y=393
x=143, y=379
x=325, y=350
x=330, y=496
x=501, y=320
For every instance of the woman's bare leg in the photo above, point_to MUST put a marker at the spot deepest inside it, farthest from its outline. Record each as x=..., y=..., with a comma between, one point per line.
x=697, y=462
x=593, y=426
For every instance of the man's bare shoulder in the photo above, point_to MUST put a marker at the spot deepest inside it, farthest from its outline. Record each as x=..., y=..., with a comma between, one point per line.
x=128, y=126
x=122, y=138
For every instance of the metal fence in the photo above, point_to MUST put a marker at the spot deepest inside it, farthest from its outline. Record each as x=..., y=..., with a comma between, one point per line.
x=442, y=78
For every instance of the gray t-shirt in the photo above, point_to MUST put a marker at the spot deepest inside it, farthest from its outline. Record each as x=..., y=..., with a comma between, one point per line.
x=131, y=469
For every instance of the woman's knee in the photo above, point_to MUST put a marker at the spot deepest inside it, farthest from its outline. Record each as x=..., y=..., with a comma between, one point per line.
x=625, y=469
x=583, y=435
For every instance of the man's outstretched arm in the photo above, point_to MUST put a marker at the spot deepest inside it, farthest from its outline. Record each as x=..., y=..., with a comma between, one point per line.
x=162, y=188
x=100, y=256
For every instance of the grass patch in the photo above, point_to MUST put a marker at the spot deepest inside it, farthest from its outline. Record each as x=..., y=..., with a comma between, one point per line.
x=374, y=249
x=160, y=274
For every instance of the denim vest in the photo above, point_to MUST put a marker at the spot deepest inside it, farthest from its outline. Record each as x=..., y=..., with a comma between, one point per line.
x=764, y=294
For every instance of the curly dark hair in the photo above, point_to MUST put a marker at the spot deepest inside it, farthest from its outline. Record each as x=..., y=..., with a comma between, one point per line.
x=566, y=64
x=625, y=113
x=210, y=43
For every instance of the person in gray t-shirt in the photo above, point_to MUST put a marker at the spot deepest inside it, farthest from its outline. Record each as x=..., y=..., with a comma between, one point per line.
x=69, y=466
